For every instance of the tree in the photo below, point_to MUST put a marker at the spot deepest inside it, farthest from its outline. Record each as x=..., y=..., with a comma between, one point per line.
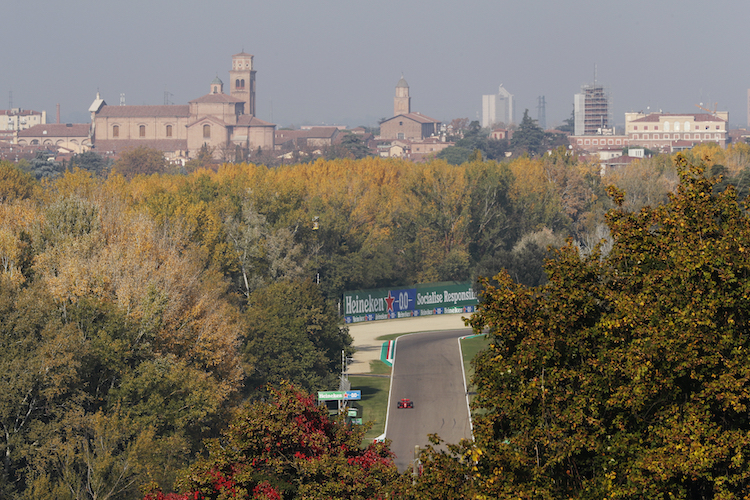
x=569, y=124
x=293, y=334
x=140, y=161
x=354, y=146
x=15, y=183
x=455, y=155
x=286, y=447
x=91, y=162
x=529, y=137
x=205, y=157
x=628, y=374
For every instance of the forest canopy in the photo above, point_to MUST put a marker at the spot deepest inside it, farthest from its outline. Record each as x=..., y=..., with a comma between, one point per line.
x=140, y=310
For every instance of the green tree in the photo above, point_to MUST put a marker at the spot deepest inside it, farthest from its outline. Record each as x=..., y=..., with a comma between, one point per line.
x=287, y=447
x=529, y=138
x=354, y=146
x=455, y=155
x=628, y=375
x=569, y=124
x=92, y=162
x=293, y=334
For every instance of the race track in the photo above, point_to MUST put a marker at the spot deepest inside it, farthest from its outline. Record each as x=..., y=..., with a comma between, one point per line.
x=427, y=370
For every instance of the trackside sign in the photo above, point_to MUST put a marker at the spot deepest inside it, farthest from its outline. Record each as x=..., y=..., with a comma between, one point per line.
x=421, y=300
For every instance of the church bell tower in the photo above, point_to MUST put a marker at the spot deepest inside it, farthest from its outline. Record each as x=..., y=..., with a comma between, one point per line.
x=402, y=101
x=242, y=81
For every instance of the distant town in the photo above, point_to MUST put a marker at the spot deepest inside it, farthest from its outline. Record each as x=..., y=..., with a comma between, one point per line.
x=223, y=122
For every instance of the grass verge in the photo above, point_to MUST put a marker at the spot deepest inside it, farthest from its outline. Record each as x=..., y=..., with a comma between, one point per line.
x=374, y=397
x=469, y=349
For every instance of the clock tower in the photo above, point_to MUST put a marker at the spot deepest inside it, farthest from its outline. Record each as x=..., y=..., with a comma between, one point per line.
x=242, y=81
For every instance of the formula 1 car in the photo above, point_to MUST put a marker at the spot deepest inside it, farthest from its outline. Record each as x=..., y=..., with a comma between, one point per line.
x=405, y=403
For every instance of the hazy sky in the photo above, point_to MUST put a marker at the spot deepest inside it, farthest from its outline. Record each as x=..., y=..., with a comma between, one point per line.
x=338, y=61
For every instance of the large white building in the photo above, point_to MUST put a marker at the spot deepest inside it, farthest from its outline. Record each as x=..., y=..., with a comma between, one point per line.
x=14, y=120
x=675, y=131
x=498, y=108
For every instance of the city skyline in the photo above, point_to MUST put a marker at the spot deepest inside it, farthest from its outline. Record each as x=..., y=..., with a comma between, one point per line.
x=339, y=62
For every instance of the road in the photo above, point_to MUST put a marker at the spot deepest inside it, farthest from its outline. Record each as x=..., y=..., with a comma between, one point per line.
x=427, y=370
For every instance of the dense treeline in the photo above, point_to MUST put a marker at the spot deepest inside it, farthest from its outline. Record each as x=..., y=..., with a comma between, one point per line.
x=136, y=315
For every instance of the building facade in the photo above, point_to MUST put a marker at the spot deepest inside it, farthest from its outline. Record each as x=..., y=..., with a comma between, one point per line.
x=60, y=137
x=217, y=120
x=14, y=120
x=673, y=131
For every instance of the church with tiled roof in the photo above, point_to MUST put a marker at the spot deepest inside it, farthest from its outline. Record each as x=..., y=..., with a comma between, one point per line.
x=218, y=120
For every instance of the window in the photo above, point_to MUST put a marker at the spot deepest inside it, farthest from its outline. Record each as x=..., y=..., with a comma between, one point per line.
x=645, y=127
x=206, y=131
x=656, y=137
x=666, y=126
x=400, y=123
x=115, y=131
x=635, y=136
x=169, y=130
x=401, y=135
x=656, y=127
x=687, y=126
x=242, y=83
x=142, y=131
x=635, y=127
x=676, y=126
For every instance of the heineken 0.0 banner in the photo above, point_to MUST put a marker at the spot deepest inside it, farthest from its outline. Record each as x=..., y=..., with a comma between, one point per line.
x=421, y=300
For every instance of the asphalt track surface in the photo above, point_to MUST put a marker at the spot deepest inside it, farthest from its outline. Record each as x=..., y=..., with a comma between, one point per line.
x=428, y=370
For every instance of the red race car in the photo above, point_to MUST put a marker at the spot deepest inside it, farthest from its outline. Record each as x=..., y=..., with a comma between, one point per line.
x=405, y=403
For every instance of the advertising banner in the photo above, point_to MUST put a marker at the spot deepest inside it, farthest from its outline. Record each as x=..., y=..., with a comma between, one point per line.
x=420, y=300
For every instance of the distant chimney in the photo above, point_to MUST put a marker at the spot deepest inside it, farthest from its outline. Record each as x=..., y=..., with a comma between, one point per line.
x=58, y=112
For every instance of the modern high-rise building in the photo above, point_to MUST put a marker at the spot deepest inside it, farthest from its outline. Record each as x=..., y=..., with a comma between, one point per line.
x=498, y=108
x=592, y=110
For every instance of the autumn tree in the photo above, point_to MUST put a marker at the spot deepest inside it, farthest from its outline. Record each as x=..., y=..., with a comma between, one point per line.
x=287, y=447
x=140, y=161
x=15, y=183
x=627, y=375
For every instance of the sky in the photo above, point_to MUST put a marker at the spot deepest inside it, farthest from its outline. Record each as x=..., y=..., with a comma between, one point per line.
x=338, y=61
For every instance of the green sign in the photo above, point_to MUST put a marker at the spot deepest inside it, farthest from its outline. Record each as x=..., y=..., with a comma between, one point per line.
x=420, y=300
x=328, y=395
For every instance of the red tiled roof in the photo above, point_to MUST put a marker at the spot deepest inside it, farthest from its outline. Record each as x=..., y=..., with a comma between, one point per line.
x=56, y=130
x=698, y=117
x=417, y=117
x=217, y=98
x=164, y=110
x=253, y=121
